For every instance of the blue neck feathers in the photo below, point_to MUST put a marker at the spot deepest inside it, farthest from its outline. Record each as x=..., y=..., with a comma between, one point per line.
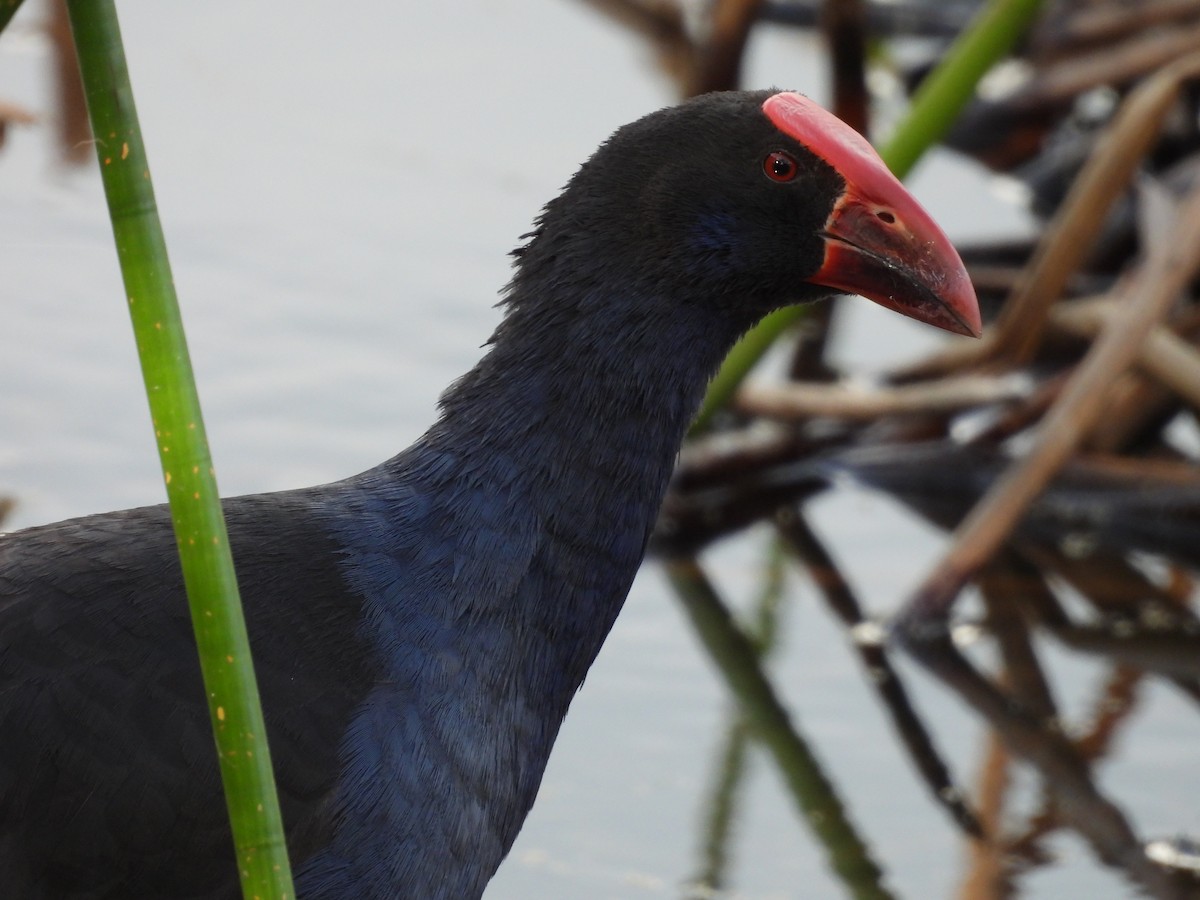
x=494, y=555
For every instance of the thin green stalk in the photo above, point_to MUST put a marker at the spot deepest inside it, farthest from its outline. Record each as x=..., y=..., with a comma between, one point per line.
x=934, y=108
x=183, y=451
x=948, y=88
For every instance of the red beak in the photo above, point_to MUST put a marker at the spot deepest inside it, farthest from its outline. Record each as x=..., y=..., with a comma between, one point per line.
x=879, y=242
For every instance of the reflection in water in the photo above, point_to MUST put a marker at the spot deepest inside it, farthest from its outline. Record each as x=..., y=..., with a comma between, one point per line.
x=1140, y=624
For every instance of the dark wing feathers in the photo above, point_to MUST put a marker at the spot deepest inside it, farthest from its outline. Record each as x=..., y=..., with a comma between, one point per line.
x=101, y=704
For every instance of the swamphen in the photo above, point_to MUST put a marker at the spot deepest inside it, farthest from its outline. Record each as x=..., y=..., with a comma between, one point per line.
x=420, y=629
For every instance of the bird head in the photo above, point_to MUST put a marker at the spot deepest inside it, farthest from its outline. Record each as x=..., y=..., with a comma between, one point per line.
x=741, y=203
x=877, y=241
x=749, y=202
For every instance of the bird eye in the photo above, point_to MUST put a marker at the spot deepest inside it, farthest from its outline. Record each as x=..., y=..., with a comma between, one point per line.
x=780, y=166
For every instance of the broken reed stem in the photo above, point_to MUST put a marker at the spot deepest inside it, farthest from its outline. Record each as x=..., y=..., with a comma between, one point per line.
x=1164, y=356
x=1072, y=233
x=801, y=400
x=1146, y=301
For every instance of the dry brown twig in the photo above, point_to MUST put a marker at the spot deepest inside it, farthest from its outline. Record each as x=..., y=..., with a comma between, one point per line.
x=1019, y=330
x=1072, y=232
x=1164, y=355
x=1099, y=23
x=1146, y=299
x=863, y=403
x=1118, y=63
